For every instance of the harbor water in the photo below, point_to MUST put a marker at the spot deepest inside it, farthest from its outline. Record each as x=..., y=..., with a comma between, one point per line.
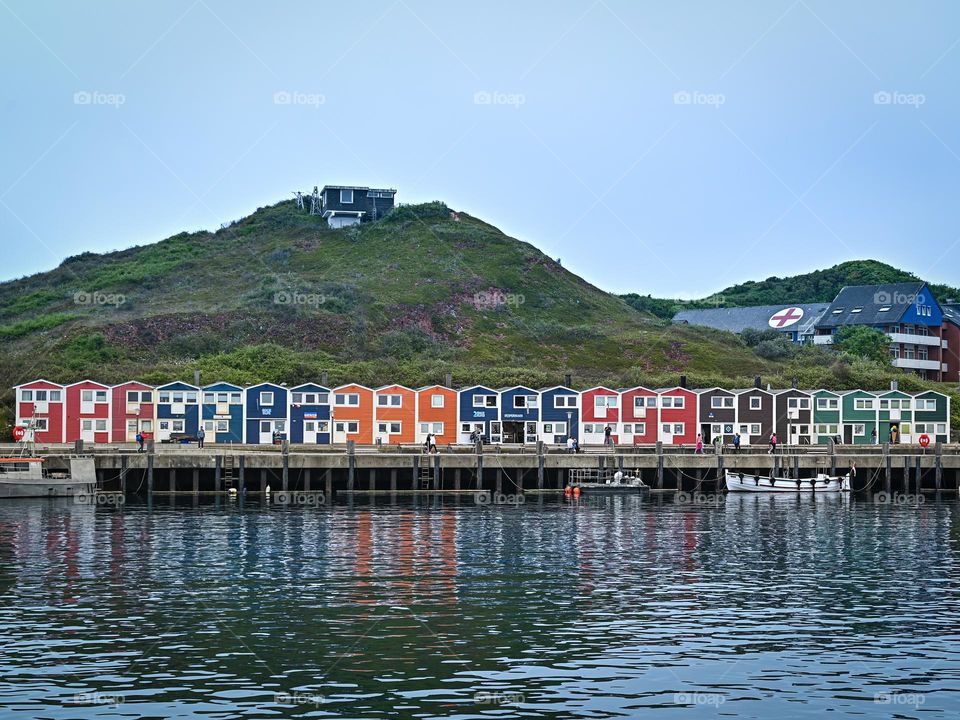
x=501, y=606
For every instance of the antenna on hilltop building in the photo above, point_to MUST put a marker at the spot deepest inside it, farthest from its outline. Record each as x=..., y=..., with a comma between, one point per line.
x=299, y=199
x=315, y=202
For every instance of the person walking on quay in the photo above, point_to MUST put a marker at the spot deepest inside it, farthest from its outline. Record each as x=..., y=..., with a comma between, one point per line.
x=736, y=442
x=873, y=436
x=139, y=442
x=699, y=450
x=201, y=434
x=773, y=443
x=428, y=443
x=607, y=435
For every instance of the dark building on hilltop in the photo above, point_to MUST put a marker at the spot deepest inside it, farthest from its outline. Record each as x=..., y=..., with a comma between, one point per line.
x=907, y=312
x=344, y=205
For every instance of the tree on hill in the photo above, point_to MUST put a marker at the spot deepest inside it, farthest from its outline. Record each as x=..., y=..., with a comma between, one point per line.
x=863, y=342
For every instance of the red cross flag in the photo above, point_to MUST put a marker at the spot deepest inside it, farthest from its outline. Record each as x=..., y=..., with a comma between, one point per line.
x=785, y=318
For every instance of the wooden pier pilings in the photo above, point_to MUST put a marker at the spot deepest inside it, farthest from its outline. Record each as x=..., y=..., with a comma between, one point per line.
x=360, y=470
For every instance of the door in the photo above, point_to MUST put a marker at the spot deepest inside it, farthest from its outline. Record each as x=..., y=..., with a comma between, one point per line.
x=86, y=430
x=340, y=431
x=848, y=434
x=799, y=435
x=132, y=427
x=666, y=433
x=266, y=432
x=86, y=402
x=531, y=432
x=706, y=432
x=496, y=434
x=310, y=432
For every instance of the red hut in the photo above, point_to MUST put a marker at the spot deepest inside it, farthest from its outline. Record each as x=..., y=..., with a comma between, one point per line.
x=88, y=412
x=678, y=416
x=600, y=408
x=640, y=416
x=133, y=410
x=41, y=407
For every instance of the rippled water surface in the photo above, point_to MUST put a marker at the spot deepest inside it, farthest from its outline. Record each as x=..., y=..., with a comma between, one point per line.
x=752, y=607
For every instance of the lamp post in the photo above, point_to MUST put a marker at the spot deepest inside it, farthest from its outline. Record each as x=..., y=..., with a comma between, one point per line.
x=569, y=424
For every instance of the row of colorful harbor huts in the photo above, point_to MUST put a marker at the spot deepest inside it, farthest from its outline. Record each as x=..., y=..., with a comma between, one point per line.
x=394, y=414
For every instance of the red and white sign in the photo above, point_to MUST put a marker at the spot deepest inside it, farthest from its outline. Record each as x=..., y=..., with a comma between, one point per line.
x=785, y=318
x=924, y=440
x=19, y=432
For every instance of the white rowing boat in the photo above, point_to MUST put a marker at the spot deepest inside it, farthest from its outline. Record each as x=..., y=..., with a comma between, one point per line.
x=744, y=482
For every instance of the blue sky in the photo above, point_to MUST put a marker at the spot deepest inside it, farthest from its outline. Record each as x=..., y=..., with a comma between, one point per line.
x=664, y=148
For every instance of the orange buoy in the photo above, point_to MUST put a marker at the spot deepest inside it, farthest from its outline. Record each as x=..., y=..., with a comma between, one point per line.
x=568, y=491
x=576, y=491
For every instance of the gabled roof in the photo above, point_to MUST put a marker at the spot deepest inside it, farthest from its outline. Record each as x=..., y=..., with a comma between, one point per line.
x=478, y=387
x=266, y=384
x=951, y=313
x=792, y=390
x=744, y=391
x=305, y=385
x=222, y=383
x=37, y=382
x=568, y=391
x=757, y=317
x=870, y=299
x=394, y=385
x=177, y=384
x=91, y=382
x=661, y=391
x=517, y=387
x=701, y=391
x=424, y=388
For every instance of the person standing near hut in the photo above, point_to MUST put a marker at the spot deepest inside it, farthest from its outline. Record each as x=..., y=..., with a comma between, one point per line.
x=608, y=435
x=736, y=442
x=139, y=442
x=699, y=450
x=773, y=443
x=201, y=434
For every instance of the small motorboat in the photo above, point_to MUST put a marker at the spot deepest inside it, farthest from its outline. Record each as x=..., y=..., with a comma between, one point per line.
x=821, y=482
x=607, y=483
x=25, y=477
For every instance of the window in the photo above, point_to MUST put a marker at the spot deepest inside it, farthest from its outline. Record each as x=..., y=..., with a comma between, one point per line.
x=26, y=395
x=434, y=428
x=884, y=404
x=675, y=401
x=825, y=429
x=296, y=398
x=666, y=428
x=466, y=427
x=223, y=426
x=100, y=396
x=863, y=404
x=525, y=401
x=39, y=424
x=209, y=398
x=678, y=428
x=86, y=395
x=346, y=399
x=941, y=428
x=146, y=396
x=566, y=401
x=639, y=428
x=222, y=398
x=639, y=401
x=859, y=429
x=146, y=425
x=133, y=396
x=609, y=401
x=389, y=400
x=491, y=401
x=191, y=396
x=346, y=196
x=41, y=395
x=885, y=308
x=235, y=398
x=827, y=404
x=716, y=402
x=792, y=403
x=164, y=396
x=804, y=403
x=266, y=398
x=178, y=396
x=755, y=429
x=101, y=425
x=905, y=404
x=716, y=429
x=857, y=310
x=756, y=402
x=652, y=401
x=437, y=401
x=323, y=426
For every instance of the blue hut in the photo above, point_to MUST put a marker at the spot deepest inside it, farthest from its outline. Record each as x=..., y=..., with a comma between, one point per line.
x=310, y=414
x=266, y=413
x=480, y=411
x=519, y=414
x=221, y=410
x=178, y=411
x=559, y=414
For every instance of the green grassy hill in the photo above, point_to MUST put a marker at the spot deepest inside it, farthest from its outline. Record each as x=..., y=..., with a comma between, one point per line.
x=277, y=296
x=817, y=286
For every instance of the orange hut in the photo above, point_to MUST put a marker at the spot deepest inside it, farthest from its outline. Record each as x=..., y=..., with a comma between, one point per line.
x=437, y=414
x=395, y=415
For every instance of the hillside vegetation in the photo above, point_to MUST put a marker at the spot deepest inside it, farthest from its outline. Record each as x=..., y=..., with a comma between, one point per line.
x=279, y=297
